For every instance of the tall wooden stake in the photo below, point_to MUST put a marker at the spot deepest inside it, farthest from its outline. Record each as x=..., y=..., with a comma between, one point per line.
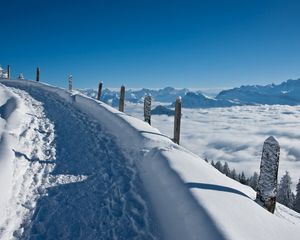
x=177, y=120
x=267, y=182
x=70, y=82
x=38, y=74
x=147, y=109
x=99, y=90
x=8, y=71
x=122, y=99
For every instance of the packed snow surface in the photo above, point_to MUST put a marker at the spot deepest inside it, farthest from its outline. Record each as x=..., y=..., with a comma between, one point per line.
x=93, y=191
x=96, y=173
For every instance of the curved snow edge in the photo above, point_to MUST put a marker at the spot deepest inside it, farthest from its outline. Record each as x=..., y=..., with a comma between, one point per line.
x=179, y=214
x=11, y=115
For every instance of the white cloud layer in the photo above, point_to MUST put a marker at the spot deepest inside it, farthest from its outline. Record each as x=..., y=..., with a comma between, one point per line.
x=236, y=134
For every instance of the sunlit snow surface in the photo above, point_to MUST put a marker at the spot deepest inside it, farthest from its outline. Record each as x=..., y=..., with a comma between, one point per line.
x=236, y=134
x=185, y=197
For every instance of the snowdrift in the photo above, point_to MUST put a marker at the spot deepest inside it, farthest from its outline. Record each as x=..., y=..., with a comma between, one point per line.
x=9, y=112
x=191, y=199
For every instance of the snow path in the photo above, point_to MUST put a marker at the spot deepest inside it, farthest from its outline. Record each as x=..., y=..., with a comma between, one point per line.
x=108, y=203
x=29, y=171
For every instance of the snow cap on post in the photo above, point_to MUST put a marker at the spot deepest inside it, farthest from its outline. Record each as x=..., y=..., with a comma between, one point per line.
x=1, y=71
x=267, y=183
x=21, y=76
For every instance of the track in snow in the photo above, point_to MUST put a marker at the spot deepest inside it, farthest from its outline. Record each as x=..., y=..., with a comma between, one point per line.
x=108, y=203
x=34, y=153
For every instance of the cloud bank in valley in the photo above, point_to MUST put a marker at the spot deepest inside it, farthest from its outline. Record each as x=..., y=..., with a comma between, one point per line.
x=236, y=134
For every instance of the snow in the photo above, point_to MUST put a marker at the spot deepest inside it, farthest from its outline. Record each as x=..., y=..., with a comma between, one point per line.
x=91, y=191
x=236, y=134
x=181, y=196
x=21, y=180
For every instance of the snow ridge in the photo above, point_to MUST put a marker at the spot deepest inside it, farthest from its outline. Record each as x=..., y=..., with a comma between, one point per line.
x=93, y=191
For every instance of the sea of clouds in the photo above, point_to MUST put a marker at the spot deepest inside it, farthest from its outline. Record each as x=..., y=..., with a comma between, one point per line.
x=236, y=134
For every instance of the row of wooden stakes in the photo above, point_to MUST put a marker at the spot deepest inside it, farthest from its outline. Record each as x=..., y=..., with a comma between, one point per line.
x=8, y=71
x=147, y=109
x=147, y=103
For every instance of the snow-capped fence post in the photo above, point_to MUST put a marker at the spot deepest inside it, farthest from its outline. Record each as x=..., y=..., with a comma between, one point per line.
x=99, y=90
x=8, y=71
x=147, y=109
x=21, y=76
x=177, y=120
x=122, y=99
x=267, y=183
x=37, y=74
x=70, y=82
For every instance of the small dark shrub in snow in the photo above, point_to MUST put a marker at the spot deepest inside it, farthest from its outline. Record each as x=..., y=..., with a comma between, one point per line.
x=297, y=199
x=242, y=178
x=225, y=169
x=253, y=181
x=285, y=195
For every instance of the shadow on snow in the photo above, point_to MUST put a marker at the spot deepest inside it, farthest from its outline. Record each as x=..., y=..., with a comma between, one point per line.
x=109, y=204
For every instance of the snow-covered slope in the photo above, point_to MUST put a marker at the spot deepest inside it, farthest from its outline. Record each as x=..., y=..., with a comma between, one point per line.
x=173, y=193
x=236, y=134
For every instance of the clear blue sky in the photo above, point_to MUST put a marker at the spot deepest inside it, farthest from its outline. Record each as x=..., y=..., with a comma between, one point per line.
x=152, y=43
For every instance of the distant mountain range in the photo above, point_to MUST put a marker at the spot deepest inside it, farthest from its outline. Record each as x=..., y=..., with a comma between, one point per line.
x=165, y=95
x=286, y=93
x=162, y=110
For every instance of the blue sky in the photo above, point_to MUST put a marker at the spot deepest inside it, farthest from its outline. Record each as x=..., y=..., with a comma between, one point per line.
x=152, y=43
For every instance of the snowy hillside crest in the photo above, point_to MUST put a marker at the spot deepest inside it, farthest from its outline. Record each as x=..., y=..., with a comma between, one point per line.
x=139, y=188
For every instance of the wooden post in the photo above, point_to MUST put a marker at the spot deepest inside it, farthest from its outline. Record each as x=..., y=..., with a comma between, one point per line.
x=8, y=71
x=177, y=120
x=38, y=74
x=267, y=182
x=70, y=82
x=99, y=90
x=147, y=109
x=122, y=99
